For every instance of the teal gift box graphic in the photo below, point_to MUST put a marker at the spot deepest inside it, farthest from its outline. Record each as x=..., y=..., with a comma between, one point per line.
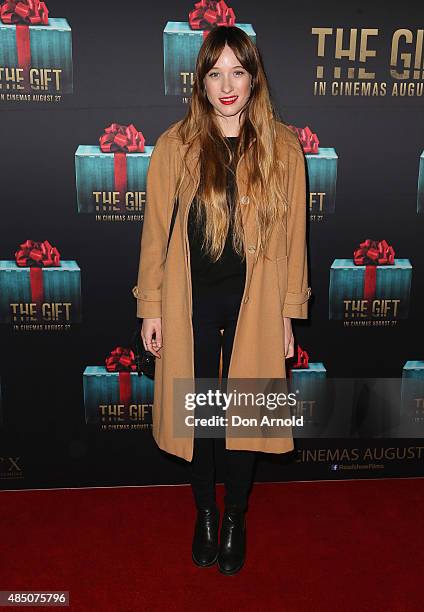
x=112, y=177
x=412, y=399
x=322, y=172
x=39, y=287
x=115, y=393
x=182, y=41
x=35, y=49
x=420, y=196
x=308, y=383
x=372, y=285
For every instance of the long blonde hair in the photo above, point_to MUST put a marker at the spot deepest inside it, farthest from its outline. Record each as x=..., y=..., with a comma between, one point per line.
x=257, y=140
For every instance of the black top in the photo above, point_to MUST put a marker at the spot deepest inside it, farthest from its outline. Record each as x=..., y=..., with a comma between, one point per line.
x=229, y=271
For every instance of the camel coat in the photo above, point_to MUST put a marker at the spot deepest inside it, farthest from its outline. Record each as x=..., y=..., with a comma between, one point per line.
x=276, y=286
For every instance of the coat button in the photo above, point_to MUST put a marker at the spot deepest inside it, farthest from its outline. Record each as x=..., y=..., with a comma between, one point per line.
x=244, y=199
x=251, y=249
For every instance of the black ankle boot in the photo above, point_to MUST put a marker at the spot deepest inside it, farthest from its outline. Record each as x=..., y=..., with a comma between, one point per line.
x=232, y=545
x=205, y=540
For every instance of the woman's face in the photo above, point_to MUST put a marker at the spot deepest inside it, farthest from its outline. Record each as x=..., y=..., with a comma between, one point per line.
x=228, y=85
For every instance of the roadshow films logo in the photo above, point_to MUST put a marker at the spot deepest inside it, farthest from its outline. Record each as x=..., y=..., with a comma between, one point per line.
x=365, y=62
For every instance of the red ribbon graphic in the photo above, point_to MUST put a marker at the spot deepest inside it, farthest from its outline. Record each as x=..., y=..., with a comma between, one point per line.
x=120, y=140
x=208, y=14
x=373, y=253
x=36, y=256
x=308, y=139
x=302, y=361
x=24, y=13
x=122, y=360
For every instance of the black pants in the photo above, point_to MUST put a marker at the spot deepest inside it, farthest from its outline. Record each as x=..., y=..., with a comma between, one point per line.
x=213, y=310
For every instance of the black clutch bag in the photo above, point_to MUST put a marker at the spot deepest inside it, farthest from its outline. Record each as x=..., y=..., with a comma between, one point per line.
x=144, y=359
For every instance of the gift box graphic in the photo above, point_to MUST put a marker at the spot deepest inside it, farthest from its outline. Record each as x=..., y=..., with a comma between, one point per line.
x=35, y=49
x=420, y=195
x=115, y=392
x=182, y=41
x=112, y=176
x=371, y=285
x=39, y=287
x=412, y=399
x=322, y=171
x=308, y=383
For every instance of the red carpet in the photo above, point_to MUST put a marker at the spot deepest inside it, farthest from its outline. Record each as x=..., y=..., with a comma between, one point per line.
x=330, y=546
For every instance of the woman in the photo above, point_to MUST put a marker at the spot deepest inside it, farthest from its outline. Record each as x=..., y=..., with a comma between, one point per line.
x=235, y=273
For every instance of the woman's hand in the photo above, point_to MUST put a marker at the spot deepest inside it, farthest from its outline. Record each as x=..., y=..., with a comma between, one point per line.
x=150, y=328
x=288, y=338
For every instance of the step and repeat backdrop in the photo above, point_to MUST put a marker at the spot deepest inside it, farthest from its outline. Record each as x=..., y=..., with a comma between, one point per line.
x=85, y=91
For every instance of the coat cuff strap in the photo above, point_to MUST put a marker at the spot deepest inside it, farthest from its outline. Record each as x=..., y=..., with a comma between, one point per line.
x=298, y=298
x=149, y=303
x=152, y=295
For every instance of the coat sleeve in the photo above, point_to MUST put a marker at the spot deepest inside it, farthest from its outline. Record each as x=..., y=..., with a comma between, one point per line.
x=298, y=292
x=154, y=235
